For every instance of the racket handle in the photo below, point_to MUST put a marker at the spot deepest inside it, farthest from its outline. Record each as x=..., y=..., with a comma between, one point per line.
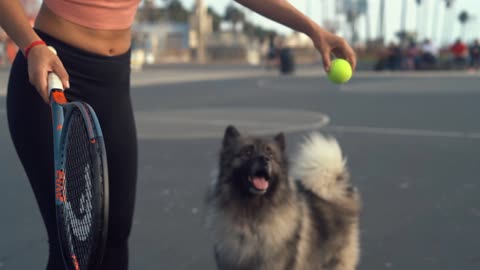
x=54, y=82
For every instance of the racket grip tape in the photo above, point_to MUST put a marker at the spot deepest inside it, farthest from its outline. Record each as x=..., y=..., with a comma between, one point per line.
x=54, y=82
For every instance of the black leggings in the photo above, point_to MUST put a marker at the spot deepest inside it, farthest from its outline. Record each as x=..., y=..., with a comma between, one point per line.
x=103, y=82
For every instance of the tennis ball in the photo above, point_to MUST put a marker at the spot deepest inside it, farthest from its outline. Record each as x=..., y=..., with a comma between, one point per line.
x=340, y=71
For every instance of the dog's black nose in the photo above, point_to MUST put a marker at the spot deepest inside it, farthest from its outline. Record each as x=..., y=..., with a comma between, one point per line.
x=265, y=163
x=261, y=166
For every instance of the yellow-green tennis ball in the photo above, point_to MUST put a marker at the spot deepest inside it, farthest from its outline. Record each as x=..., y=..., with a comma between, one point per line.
x=340, y=71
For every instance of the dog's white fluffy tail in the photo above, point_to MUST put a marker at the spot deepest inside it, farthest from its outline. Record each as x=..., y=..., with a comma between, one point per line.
x=320, y=166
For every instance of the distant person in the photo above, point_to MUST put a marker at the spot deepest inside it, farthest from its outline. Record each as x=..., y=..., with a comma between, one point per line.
x=272, y=53
x=413, y=54
x=475, y=55
x=382, y=55
x=429, y=54
x=93, y=41
x=394, y=58
x=459, y=51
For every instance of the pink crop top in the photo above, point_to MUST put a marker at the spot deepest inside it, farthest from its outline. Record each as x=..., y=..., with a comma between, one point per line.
x=96, y=14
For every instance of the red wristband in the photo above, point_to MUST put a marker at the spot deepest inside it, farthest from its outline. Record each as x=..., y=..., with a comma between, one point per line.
x=33, y=44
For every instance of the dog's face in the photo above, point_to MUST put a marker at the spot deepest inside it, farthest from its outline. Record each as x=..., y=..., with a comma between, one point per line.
x=252, y=166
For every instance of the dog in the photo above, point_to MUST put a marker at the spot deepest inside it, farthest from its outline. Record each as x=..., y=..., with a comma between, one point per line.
x=263, y=219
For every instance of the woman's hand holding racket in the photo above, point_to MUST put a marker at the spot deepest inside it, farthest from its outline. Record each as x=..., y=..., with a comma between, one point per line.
x=41, y=61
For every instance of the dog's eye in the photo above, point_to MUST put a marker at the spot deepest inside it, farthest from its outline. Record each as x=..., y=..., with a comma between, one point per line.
x=247, y=151
x=269, y=151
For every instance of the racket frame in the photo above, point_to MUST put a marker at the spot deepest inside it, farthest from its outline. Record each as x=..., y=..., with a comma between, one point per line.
x=61, y=113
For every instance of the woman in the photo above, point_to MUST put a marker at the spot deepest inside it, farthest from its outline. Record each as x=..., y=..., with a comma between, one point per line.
x=92, y=39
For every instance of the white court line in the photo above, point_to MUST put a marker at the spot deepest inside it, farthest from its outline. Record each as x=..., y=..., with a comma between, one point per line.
x=405, y=132
x=158, y=126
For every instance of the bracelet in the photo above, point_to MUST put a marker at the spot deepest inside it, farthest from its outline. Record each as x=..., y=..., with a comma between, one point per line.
x=33, y=44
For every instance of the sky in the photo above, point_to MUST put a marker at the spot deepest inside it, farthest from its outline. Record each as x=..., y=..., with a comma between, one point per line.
x=448, y=27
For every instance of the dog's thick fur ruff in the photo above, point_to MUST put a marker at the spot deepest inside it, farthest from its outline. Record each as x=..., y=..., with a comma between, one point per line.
x=304, y=224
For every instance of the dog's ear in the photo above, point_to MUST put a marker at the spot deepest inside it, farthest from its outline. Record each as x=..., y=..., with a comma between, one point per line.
x=280, y=140
x=231, y=134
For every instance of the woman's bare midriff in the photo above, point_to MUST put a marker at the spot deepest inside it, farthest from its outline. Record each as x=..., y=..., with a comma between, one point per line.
x=103, y=42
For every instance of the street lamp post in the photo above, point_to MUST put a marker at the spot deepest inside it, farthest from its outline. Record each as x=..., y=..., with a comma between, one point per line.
x=381, y=25
x=200, y=14
x=404, y=16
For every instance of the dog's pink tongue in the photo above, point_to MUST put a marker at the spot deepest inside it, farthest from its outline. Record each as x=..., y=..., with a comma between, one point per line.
x=260, y=183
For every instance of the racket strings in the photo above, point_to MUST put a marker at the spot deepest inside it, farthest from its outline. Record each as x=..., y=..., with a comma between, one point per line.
x=80, y=208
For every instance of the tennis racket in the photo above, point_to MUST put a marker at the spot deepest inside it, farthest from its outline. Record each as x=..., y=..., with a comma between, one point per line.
x=81, y=180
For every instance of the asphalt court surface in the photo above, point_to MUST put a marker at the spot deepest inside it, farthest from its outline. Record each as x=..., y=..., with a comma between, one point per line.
x=412, y=144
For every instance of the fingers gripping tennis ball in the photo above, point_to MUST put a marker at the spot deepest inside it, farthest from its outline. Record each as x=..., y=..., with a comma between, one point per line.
x=340, y=71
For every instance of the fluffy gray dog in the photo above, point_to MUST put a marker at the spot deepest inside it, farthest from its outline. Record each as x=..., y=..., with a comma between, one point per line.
x=264, y=220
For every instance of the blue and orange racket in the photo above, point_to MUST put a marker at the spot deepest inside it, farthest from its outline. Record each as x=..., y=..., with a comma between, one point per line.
x=81, y=180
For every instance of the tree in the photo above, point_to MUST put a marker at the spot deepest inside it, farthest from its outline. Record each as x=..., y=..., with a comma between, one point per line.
x=425, y=17
x=403, y=18
x=234, y=15
x=176, y=12
x=216, y=19
x=355, y=9
x=249, y=28
x=447, y=19
x=352, y=16
x=464, y=18
x=419, y=5
x=149, y=12
x=381, y=24
x=263, y=34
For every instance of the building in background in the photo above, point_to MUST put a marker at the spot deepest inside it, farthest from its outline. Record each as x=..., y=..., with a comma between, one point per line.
x=161, y=42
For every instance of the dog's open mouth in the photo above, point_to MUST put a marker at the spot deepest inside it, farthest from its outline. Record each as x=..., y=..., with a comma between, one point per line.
x=259, y=184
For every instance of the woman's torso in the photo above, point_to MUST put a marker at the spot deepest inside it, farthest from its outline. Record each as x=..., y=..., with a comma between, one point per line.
x=100, y=41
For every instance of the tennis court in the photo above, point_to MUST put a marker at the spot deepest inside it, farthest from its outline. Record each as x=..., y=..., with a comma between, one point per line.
x=412, y=143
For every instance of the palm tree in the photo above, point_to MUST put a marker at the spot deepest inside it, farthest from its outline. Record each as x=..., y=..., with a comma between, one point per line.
x=381, y=24
x=234, y=15
x=167, y=13
x=176, y=11
x=352, y=16
x=403, y=23
x=464, y=18
x=361, y=9
x=419, y=5
x=216, y=18
x=447, y=24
